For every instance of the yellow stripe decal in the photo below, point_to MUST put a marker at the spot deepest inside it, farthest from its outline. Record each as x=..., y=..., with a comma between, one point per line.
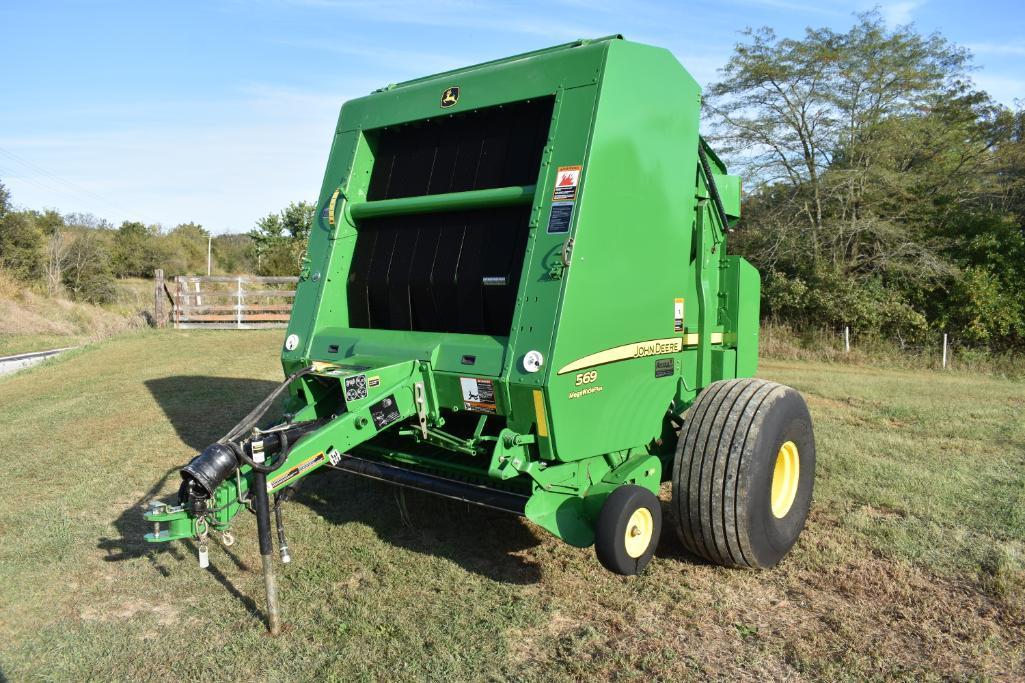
x=692, y=338
x=295, y=471
x=331, y=207
x=539, y=413
x=653, y=347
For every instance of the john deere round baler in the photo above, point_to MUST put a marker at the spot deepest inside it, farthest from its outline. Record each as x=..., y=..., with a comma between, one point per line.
x=517, y=294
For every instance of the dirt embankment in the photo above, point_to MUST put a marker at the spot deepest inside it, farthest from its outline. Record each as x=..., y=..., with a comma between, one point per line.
x=29, y=318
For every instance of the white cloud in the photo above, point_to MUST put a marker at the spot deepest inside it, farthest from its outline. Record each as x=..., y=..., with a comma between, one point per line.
x=1013, y=49
x=900, y=13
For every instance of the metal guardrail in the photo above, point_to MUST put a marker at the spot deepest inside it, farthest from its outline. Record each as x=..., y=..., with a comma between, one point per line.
x=20, y=361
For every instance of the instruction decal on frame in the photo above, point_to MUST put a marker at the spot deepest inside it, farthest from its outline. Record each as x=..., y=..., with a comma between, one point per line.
x=558, y=221
x=385, y=411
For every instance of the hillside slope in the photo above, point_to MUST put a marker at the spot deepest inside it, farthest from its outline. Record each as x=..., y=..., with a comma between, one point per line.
x=30, y=321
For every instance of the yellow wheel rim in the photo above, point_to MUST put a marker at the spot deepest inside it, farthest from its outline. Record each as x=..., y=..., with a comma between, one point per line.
x=784, y=479
x=638, y=532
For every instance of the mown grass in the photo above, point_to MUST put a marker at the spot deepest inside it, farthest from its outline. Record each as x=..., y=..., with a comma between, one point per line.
x=911, y=566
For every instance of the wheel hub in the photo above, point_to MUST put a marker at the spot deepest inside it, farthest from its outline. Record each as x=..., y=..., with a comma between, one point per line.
x=785, y=477
x=638, y=532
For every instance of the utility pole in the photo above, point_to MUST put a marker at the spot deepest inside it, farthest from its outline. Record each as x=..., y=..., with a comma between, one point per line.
x=209, y=250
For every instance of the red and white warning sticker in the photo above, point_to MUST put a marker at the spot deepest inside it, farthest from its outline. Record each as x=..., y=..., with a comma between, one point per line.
x=566, y=180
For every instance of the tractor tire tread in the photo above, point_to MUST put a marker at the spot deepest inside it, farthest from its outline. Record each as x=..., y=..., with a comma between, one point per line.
x=719, y=434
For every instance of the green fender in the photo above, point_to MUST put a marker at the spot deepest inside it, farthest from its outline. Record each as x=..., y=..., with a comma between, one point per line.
x=572, y=516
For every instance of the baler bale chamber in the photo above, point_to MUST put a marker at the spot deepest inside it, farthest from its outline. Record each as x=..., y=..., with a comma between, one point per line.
x=517, y=294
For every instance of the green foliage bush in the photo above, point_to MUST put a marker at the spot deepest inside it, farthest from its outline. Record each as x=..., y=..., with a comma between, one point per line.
x=88, y=276
x=280, y=239
x=21, y=246
x=888, y=193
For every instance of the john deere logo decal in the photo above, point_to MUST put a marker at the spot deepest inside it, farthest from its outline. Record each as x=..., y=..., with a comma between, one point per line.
x=450, y=97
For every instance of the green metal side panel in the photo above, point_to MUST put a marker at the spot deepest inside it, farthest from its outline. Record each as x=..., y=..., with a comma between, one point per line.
x=742, y=287
x=631, y=253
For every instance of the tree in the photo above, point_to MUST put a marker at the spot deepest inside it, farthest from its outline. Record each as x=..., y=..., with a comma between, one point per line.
x=866, y=149
x=87, y=274
x=185, y=246
x=235, y=253
x=280, y=239
x=5, y=201
x=56, y=256
x=21, y=246
x=137, y=250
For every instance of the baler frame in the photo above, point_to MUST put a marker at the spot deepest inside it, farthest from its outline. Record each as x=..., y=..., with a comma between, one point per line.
x=378, y=384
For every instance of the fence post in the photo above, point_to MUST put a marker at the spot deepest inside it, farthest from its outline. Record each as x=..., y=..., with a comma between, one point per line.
x=846, y=339
x=178, y=298
x=158, y=297
x=944, y=350
x=238, y=307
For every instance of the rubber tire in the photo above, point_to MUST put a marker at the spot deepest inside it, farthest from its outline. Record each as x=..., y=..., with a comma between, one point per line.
x=610, y=531
x=722, y=473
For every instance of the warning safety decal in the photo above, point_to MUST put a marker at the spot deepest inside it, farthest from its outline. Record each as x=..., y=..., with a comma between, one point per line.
x=355, y=387
x=566, y=180
x=385, y=411
x=678, y=315
x=293, y=472
x=478, y=395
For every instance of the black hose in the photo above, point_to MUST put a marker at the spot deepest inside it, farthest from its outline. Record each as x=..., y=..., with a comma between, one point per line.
x=262, y=468
x=251, y=420
x=712, y=189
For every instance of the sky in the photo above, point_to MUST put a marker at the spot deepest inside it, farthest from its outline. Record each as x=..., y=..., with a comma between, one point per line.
x=220, y=112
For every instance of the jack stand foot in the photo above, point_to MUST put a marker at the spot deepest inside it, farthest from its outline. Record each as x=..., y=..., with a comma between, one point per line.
x=271, y=584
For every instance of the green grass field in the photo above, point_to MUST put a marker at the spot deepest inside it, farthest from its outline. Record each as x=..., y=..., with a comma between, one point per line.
x=912, y=565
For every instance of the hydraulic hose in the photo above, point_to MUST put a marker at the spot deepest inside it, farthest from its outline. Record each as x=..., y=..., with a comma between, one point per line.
x=205, y=472
x=251, y=420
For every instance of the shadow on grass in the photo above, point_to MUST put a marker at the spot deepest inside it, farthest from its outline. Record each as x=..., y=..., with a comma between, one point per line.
x=479, y=540
x=202, y=409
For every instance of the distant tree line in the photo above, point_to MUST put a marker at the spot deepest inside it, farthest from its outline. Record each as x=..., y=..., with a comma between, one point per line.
x=885, y=191
x=81, y=256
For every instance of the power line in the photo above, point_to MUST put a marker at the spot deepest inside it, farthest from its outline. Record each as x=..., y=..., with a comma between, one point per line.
x=82, y=192
x=38, y=183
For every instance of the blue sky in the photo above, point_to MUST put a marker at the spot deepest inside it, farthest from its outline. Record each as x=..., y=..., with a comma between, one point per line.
x=220, y=112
